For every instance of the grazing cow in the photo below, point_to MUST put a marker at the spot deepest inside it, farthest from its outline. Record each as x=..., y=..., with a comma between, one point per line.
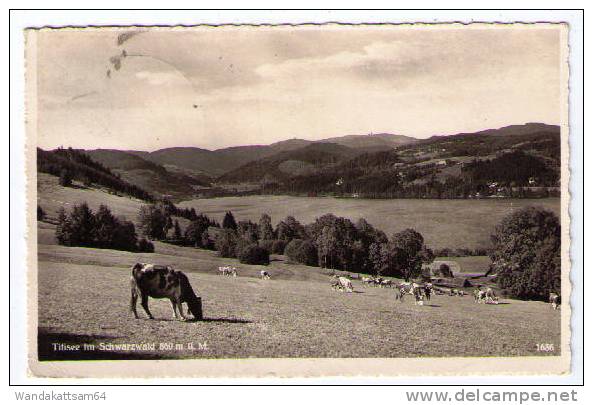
x=377, y=281
x=554, y=300
x=478, y=295
x=491, y=298
x=264, y=275
x=149, y=280
x=387, y=283
x=437, y=291
x=342, y=284
x=406, y=288
x=367, y=280
x=418, y=295
x=228, y=271
x=427, y=291
x=481, y=297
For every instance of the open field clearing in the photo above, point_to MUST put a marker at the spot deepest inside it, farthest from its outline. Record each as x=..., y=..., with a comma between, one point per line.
x=51, y=196
x=443, y=223
x=84, y=298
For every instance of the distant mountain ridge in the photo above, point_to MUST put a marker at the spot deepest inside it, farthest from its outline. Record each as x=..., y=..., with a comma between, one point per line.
x=519, y=129
x=382, y=165
x=509, y=161
x=220, y=161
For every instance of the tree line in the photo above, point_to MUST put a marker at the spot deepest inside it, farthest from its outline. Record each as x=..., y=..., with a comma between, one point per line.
x=85, y=228
x=525, y=253
x=329, y=242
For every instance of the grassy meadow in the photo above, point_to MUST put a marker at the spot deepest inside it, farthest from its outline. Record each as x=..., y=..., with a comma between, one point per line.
x=84, y=293
x=84, y=298
x=443, y=223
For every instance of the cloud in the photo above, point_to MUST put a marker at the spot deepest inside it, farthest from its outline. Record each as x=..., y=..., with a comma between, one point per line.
x=159, y=78
x=267, y=84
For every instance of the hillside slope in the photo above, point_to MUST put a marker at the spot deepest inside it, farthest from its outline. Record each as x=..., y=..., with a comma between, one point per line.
x=147, y=174
x=517, y=161
x=306, y=161
x=77, y=165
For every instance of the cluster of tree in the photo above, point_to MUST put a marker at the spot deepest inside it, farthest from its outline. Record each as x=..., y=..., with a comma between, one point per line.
x=460, y=252
x=512, y=169
x=526, y=253
x=330, y=241
x=101, y=229
x=70, y=164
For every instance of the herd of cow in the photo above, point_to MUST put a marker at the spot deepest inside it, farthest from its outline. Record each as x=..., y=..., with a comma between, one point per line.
x=150, y=280
x=420, y=291
x=232, y=272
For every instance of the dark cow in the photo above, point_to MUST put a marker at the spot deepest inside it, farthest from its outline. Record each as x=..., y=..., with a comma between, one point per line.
x=427, y=290
x=418, y=292
x=149, y=280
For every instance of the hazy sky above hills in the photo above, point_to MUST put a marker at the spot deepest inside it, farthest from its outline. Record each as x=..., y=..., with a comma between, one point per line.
x=226, y=86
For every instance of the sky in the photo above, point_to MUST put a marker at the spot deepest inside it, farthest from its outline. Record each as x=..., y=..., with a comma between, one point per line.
x=214, y=87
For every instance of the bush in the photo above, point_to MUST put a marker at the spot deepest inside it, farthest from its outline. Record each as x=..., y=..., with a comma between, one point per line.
x=195, y=230
x=241, y=244
x=266, y=244
x=207, y=242
x=226, y=242
x=254, y=254
x=124, y=237
x=65, y=178
x=152, y=221
x=144, y=245
x=82, y=226
x=278, y=247
x=526, y=253
x=301, y=251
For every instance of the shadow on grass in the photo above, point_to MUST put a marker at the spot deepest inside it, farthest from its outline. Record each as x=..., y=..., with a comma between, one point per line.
x=220, y=320
x=52, y=346
x=193, y=320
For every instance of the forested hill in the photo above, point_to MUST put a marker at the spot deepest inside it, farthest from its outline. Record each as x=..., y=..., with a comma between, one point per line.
x=214, y=163
x=514, y=161
x=151, y=176
x=281, y=167
x=72, y=164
